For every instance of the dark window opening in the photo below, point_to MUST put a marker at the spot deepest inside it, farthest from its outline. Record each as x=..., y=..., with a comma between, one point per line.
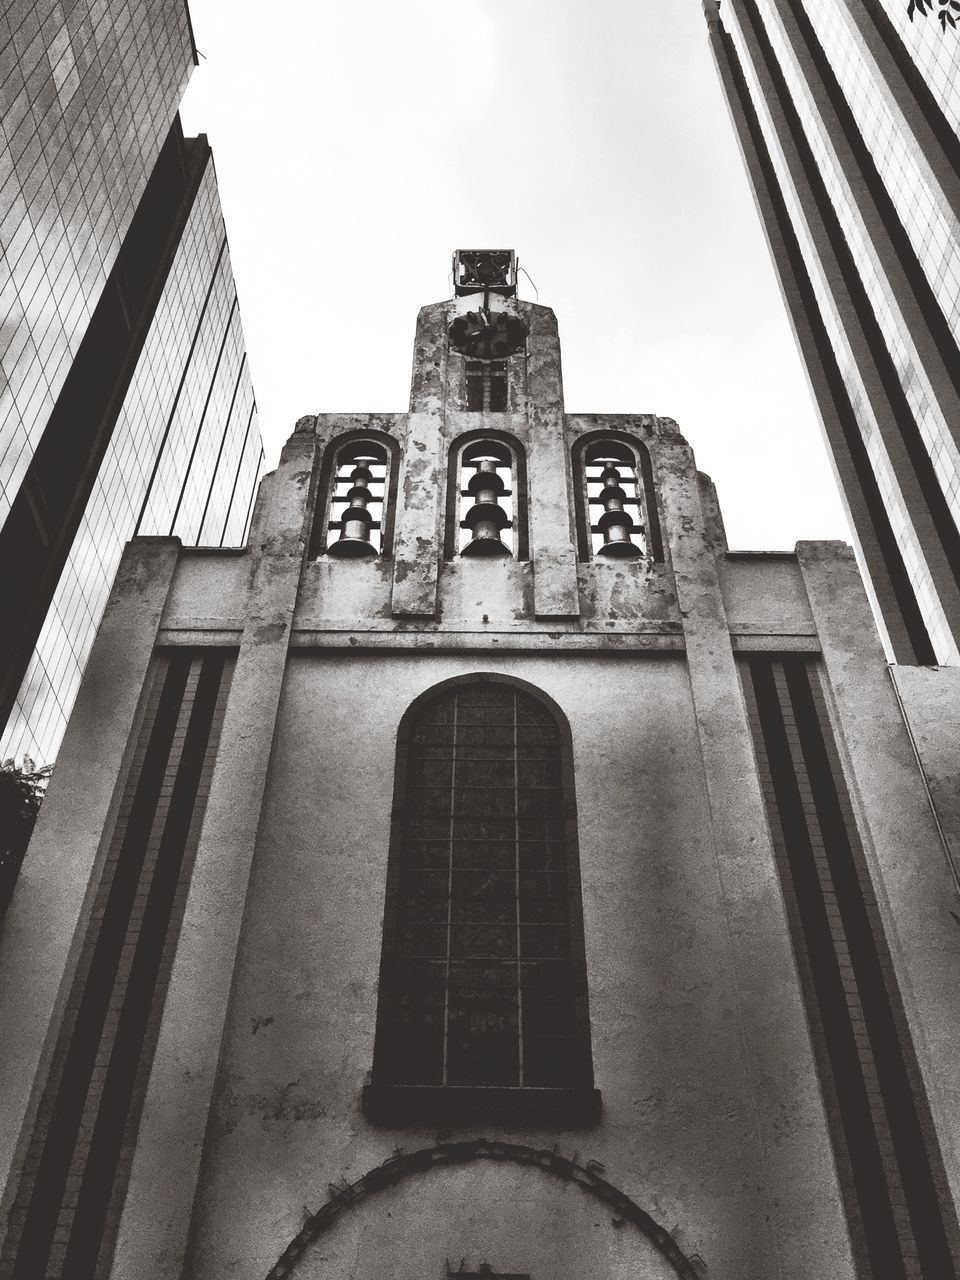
x=482, y=981
x=486, y=382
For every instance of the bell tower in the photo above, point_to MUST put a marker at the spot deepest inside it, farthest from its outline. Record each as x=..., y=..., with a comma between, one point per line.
x=485, y=871
x=487, y=364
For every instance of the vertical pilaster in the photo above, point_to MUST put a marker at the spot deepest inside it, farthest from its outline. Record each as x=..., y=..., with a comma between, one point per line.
x=930, y=701
x=804, y=1233
x=48, y=915
x=903, y=848
x=552, y=551
x=156, y=1217
x=419, y=499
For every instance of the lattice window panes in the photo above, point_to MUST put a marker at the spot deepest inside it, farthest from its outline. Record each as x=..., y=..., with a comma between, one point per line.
x=480, y=977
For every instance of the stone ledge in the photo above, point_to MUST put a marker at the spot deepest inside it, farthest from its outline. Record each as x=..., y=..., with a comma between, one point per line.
x=457, y=1105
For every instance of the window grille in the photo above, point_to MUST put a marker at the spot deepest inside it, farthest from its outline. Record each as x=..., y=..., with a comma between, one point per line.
x=486, y=386
x=482, y=980
x=613, y=501
x=357, y=499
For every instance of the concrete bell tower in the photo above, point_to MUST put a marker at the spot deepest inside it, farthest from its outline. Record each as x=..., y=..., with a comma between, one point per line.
x=483, y=872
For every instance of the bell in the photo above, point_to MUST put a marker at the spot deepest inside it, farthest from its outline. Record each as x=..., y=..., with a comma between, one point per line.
x=617, y=544
x=616, y=523
x=354, y=541
x=485, y=520
x=486, y=517
x=486, y=541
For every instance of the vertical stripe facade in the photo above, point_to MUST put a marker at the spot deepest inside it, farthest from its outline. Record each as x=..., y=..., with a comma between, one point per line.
x=898, y=1207
x=72, y=1183
x=859, y=152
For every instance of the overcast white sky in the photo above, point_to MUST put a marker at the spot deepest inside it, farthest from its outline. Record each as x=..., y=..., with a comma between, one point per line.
x=358, y=143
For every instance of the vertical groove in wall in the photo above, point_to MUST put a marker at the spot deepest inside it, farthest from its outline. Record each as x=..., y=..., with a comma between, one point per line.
x=66, y=1212
x=901, y=1223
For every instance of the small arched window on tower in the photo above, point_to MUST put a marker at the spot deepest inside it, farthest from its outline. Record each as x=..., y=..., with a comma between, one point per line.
x=485, y=385
x=616, y=510
x=487, y=339
x=486, y=512
x=482, y=981
x=357, y=513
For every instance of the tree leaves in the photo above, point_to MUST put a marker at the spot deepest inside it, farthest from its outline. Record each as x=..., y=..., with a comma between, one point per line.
x=21, y=790
x=948, y=11
x=21, y=793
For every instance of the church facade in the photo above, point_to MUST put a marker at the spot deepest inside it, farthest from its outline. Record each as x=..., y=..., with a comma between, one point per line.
x=485, y=871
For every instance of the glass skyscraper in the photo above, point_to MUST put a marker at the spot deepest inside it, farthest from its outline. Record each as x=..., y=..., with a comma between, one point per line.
x=125, y=396
x=847, y=113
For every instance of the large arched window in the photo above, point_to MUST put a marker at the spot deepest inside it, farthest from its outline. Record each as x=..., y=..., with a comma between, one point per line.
x=354, y=518
x=482, y=981
x=486, y=502
x=616, y=505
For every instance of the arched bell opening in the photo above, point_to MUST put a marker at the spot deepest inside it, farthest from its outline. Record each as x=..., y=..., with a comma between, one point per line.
x=612, y=499
x=358, y=493
x=486, y=494
x=485, y=506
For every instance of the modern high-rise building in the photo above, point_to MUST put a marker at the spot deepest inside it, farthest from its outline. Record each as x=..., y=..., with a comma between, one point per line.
x=847, y=113
x=487, y=873
x=125, y=395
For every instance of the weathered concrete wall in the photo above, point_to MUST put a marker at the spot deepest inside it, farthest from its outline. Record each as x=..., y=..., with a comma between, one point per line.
x=804, y=1228
x=902, y=845
x=551, y=523
x=420, y=491
x=545, y=1226
x=351, y=594
x=930, y=699
x=679, y=1129
x=763, y=594
x=211, y=588
x=615, y=597
x=157, y=1210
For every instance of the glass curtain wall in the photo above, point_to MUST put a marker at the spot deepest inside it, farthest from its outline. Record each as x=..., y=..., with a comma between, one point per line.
x=856, y=112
